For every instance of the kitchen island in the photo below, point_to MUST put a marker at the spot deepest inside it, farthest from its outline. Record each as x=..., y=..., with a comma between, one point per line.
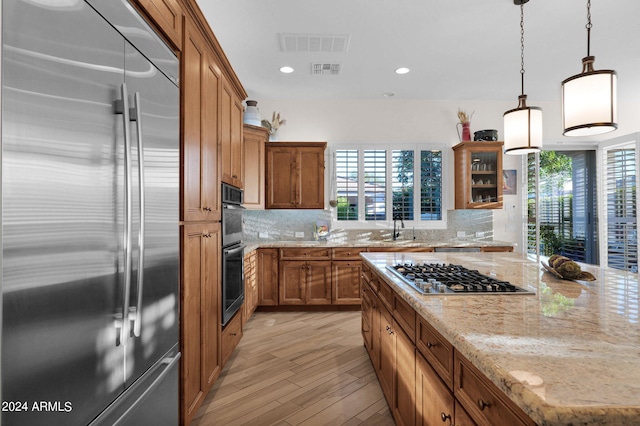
x=567, y=355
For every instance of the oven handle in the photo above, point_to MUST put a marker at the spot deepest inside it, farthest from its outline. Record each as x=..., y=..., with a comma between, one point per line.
x=233, y=207
x=233, y=250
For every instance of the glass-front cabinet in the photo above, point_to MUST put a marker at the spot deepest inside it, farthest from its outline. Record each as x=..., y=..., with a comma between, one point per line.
x=478, y=173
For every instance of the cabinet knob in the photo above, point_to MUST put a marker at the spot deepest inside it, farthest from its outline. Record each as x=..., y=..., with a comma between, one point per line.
x=482, y=404
x=207, y=209
x=445, y=417
x=430, y=345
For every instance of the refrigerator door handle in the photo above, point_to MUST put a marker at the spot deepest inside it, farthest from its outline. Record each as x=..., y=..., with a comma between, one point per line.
x=122, y=320
x=137, y=117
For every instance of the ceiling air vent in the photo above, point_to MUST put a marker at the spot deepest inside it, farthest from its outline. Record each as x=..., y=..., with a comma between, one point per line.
x=325, y=69
x=329, y=43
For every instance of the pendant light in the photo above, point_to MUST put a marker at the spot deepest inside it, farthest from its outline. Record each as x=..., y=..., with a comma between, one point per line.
x=589, y=99
x=523, y=125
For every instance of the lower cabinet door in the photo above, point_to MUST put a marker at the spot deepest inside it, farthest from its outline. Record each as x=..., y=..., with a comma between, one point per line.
x=346, y=282
x=318, y=281
x=387, y=354
x=434, y=400
x=292, y=282
x=404, y=408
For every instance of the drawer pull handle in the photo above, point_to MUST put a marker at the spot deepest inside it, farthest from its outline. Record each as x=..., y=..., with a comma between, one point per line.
x=430, y=345
x=444, y=417
x=483, y=404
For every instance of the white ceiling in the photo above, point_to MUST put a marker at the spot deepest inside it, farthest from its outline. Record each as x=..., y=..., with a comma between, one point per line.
x=456, y=49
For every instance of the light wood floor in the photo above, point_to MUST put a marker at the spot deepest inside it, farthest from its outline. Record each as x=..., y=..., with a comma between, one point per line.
x=297, y=368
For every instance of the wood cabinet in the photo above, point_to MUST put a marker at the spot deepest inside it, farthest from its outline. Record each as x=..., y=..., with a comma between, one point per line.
x=204, y=68
x=478, y=175
x=295, y=175
x=436, y=350
x=267, y=277
x=231, y=335
x=482, y=400
x=305, y=276
x=250, y=285
x=167, y=16
x=396, y=371
x=371, y=318
x=200, y=314
x=387, y=354
x=434, y=400
x=305, y=282
x=404, y=385
x=346, y=276
x=424, y=379
x=254, y=139
x=231, y=151
x=496, y=249
x=367, y=316
x=200, y=87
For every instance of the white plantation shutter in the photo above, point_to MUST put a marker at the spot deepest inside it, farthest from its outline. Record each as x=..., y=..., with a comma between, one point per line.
x=622, y=237
x=346, y=167
x=402, y=184
x=532, y=167
x=431, y=185
x=370, y=183
x=375, y=184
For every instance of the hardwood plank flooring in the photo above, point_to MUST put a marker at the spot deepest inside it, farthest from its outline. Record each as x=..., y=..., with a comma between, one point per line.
x=297, y=368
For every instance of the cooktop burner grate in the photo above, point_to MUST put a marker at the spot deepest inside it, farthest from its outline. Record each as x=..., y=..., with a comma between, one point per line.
x=438, y=278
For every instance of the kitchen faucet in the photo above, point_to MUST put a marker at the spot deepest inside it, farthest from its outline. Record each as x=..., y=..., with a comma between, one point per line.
x=396, y=230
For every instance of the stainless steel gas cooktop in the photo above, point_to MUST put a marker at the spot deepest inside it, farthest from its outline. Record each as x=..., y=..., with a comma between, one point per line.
x=438, y=278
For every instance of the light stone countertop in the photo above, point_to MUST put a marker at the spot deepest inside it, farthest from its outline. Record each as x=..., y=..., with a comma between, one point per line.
x=253, y=245
x=568, y=355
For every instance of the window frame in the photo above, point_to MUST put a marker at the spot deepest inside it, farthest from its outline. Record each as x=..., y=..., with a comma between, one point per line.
x=361, y=222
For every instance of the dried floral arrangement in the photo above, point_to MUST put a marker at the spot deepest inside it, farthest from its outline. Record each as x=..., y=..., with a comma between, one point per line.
x=463, y=117
x=274, y=124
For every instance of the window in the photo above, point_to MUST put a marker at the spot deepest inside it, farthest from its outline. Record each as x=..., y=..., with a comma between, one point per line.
x=378, y=185
x=567, y=204
x=622, y=232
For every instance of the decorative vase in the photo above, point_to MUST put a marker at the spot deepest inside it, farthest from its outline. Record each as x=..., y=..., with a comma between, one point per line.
x=252, y=114
x=466, y=131
x=273, y=137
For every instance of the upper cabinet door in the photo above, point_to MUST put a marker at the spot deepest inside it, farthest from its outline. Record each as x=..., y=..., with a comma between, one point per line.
x=200, y=100
x=478, y=172
x=254, y=139
x=231, y=158
x=295, y=175
x=167, y=16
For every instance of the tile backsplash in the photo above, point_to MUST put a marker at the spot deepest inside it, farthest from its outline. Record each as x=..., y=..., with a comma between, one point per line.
x=298, y=225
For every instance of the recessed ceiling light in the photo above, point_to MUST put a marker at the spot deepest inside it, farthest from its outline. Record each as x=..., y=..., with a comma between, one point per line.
x=286, y=70
x=402, y=70
x=388, y=94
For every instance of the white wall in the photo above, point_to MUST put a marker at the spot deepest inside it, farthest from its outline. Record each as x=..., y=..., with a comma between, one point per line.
x=423, y=121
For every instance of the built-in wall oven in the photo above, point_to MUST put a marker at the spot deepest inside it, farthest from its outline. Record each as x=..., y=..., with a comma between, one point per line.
x=232, y=252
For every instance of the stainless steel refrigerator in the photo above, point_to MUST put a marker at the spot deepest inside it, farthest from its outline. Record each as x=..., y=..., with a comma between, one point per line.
x=90, y=199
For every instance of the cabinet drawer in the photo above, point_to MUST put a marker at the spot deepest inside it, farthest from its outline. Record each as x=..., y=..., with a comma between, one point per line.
x=496, y=249
x=385, y=293
x=303, y=253
x=482, y=399
x=405, y=315
x=231, y=336
x=346, y=253
x=370, y=278
x=436, y=349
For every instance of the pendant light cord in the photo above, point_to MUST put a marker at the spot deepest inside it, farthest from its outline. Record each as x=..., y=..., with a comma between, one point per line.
x=522, y=47
x=588, y=27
